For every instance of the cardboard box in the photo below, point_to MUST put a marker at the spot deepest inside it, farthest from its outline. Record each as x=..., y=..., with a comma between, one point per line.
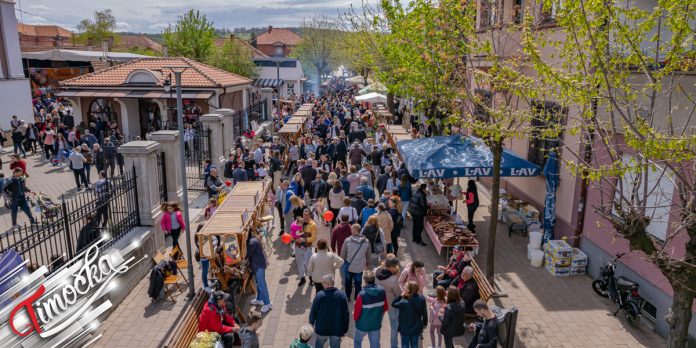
x=554, y=261
x=578, y=270
x=558, y=271
x=559, y=248
x=579, y=258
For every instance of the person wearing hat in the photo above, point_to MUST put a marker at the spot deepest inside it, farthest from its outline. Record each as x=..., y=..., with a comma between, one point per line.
x=387, y=276
x=306, y=333
x=214, y=318
x=445, y=274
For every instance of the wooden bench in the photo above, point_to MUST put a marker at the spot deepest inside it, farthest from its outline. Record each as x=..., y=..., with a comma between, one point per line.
x=486, y=290
x=186, y=329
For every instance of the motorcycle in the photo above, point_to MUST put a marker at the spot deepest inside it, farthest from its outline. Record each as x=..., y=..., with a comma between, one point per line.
x=622, y=291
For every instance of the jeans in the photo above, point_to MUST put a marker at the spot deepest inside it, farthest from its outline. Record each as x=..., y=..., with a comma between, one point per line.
x=205, y=266
x=302, y=256
x=353, y=279
x=409, y=341
x=445, y=282
x=261, y=286
x=334, y=341
x=88, y=168
x=80, y=176
x=20, y=146
x=372, y=337
x=404, y=211
x=394, y=324
x=16, y=205
x=470, y=210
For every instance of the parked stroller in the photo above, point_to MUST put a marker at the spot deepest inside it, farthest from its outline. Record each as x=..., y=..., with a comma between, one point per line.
x=57, y=160
x=49, y=209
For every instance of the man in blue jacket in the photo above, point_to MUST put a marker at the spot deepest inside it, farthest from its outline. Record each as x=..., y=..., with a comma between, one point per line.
x=329, y=314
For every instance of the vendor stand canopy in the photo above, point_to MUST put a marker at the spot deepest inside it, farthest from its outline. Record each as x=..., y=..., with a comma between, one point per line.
x=373, y=87
x=459, y=156
x=372, y=98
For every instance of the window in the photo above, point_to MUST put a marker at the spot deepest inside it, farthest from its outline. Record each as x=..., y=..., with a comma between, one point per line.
x=546, y=116
x=291, y=88
x=548, y=11
x=488, y=13
x=518, y=11
x=279, y=51
x=658, y=203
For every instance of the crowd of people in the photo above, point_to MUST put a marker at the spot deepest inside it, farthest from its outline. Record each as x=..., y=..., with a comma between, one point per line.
x=342, y=198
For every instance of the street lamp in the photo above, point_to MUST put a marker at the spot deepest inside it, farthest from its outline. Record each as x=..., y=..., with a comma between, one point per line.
x=178, y=70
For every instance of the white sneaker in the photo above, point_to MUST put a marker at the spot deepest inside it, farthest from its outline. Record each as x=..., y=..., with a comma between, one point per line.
x=256, y=302
x=266, y=308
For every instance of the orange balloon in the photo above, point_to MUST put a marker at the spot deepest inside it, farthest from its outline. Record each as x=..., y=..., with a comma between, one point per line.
x=286, y=238
x=328, y=216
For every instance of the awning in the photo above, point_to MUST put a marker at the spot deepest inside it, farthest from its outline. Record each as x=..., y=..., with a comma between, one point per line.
x=136, y=94
x=458, y=156
x=272, y=83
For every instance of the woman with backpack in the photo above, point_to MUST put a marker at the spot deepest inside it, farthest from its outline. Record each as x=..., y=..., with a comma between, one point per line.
x=472, y=203
x=375, y=236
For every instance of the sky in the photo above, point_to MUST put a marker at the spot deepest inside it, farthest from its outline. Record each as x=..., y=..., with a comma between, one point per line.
x=151, y=16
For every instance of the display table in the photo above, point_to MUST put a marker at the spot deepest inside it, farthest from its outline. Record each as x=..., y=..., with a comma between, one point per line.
x=463, y=237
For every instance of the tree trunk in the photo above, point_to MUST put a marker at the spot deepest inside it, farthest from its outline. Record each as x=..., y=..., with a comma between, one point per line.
x=364, y=74
x=497, y=150
x=390, y=103
x=681, y=316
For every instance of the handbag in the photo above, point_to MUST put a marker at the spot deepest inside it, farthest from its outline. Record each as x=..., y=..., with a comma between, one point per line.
x=344, y=268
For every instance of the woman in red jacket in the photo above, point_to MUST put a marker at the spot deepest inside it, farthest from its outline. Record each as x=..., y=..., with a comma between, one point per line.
x=172, y=222
x=214, y=318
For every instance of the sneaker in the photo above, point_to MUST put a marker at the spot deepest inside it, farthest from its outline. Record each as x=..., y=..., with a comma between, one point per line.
x=266, y=308
x=302, y=282
x=256, y=302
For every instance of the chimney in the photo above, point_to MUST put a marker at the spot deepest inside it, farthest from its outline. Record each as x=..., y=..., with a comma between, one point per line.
x=270, y=27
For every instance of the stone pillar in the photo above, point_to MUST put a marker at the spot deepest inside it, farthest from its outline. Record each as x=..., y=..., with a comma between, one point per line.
x=214, y=123
x=268, y=94
x=142, y=156
x=170, y=146
x=227, y=130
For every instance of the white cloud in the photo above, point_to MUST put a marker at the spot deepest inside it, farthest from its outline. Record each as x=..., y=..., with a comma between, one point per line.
x=36, y=7
x=123, y=26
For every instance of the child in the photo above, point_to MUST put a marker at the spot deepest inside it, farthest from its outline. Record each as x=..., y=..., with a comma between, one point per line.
x=436, y=306
x=210, y=209
x=261, y=171
x=247, y=334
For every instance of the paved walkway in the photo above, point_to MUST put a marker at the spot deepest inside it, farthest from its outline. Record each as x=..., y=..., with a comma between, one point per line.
x=553, y=312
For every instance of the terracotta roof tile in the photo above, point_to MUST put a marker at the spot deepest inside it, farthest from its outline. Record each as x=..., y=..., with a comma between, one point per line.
x=255, y=51
x=43, y=30
x=283, y=35
x=198, y=75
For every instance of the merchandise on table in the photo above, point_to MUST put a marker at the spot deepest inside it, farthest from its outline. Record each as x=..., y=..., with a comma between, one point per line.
x=449, y=232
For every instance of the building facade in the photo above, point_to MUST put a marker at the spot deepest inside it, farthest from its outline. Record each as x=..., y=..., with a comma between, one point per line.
x=131, y=96
x=576, y=217
x=285, y=75
x=15, y=93
x=277, y=42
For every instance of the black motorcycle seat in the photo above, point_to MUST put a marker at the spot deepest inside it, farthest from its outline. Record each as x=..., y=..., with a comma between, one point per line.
x=626, y=283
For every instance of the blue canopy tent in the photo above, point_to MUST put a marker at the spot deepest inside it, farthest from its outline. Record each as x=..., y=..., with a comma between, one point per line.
x=459, y=156
x=551, y=174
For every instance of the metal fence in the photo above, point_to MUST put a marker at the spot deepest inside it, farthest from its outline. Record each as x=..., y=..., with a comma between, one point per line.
x=67, y=226
x=244, y=119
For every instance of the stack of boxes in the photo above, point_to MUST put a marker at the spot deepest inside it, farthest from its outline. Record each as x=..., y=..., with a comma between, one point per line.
x=558, y=258
x=579, y=263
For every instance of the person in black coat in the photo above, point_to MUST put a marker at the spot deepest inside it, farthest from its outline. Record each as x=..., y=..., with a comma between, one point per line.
x=453, y=318
x=472, y=203
x=487, y=331
x=418, y=209
x=413, y=315
x=341, y=151
x=329, y=314
x=382, y=180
